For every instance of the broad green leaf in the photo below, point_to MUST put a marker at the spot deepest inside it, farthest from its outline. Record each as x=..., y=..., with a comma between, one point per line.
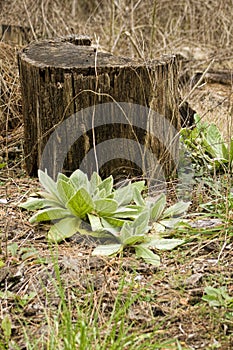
x=137, y=197
x=212, y=300
x=99, y=194
x=170, y=223
x=107, y=250
x=113, y=229
x=2, y=165
x=65, y=190
x=140, y=185
x=124, y=195
x=94, y=182
x=130, y=241
x=95, y=222
x=6, y=326
x=50, y=214
x=157, y=227
x=79, y=179
x=107, y=184
x=48, y=195
x=163, y=244
x=158, y=207
x=13, y=249
x=128, y=212
x=96, y=234
x=126, y=232
x=38, y=203
x=81, y=203
x=114, y=221
x=141, y=223
x=214, y=142
x=105, y=207
x=63, y=229
x=47, y=182
x=63, y=177
x=231, y=152
x=147, y=255
x=176, y=209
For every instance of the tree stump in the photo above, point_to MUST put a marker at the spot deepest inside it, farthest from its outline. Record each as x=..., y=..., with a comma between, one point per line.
x=96, y=111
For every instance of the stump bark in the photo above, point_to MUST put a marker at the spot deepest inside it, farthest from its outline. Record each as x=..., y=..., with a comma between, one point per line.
x=121, y=109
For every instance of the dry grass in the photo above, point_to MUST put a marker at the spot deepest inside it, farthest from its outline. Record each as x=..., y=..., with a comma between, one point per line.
x=201, y=31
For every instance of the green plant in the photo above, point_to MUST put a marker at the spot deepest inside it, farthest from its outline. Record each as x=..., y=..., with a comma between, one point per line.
x=122, y=216
x=208, y=147
x=218, y=297
x=2, y=165
x=6, y=327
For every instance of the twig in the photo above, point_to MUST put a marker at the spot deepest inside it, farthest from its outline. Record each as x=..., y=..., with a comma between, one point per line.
x=197, y=84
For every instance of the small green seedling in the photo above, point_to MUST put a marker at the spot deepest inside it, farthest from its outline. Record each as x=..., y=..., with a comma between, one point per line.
x=218, y=297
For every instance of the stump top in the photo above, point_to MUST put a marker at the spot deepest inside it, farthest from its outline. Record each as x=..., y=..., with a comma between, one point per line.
x=68, y=53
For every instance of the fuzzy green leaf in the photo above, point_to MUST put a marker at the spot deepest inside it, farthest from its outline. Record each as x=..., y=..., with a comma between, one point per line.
x=126, y=232
x=63, y=177
x=231, y=152
x=140, y=185
x=95, y=222
x=163, y=244
x=50, y=214
x=170, y=223
x=176, y=209
x=95, y=181
x=47, y=182
x=107, y=185
x=107, y=250
x=130, y=241
x=79, y=179
x=105, y=207
x=38, y=203
x=124, y=195
x=128, y=212
x=81, y=203
x=63, y=229
x=65, y=190
x=114, y=221
x=113, y=229
x=141, y=223
x=48, y=196
x=137, y=197
x=157, y=227
x=147, y=255
x=158, y=207
x=214, y=142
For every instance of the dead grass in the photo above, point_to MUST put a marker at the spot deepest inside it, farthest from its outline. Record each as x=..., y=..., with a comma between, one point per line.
x=170, y=297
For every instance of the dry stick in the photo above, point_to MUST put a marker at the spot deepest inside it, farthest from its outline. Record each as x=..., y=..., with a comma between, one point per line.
x=74, y=7
x=134, y=44
x=197, y=84
x=29, y=20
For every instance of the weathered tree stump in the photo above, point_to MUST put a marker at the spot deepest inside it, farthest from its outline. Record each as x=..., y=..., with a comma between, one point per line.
x=113, y=111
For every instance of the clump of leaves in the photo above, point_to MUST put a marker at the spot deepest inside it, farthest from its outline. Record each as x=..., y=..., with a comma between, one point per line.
x=218, y=297
x=207, y=146
x=93, y=207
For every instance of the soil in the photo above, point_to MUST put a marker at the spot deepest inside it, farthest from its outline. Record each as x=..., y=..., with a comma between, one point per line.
x=171, y=295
